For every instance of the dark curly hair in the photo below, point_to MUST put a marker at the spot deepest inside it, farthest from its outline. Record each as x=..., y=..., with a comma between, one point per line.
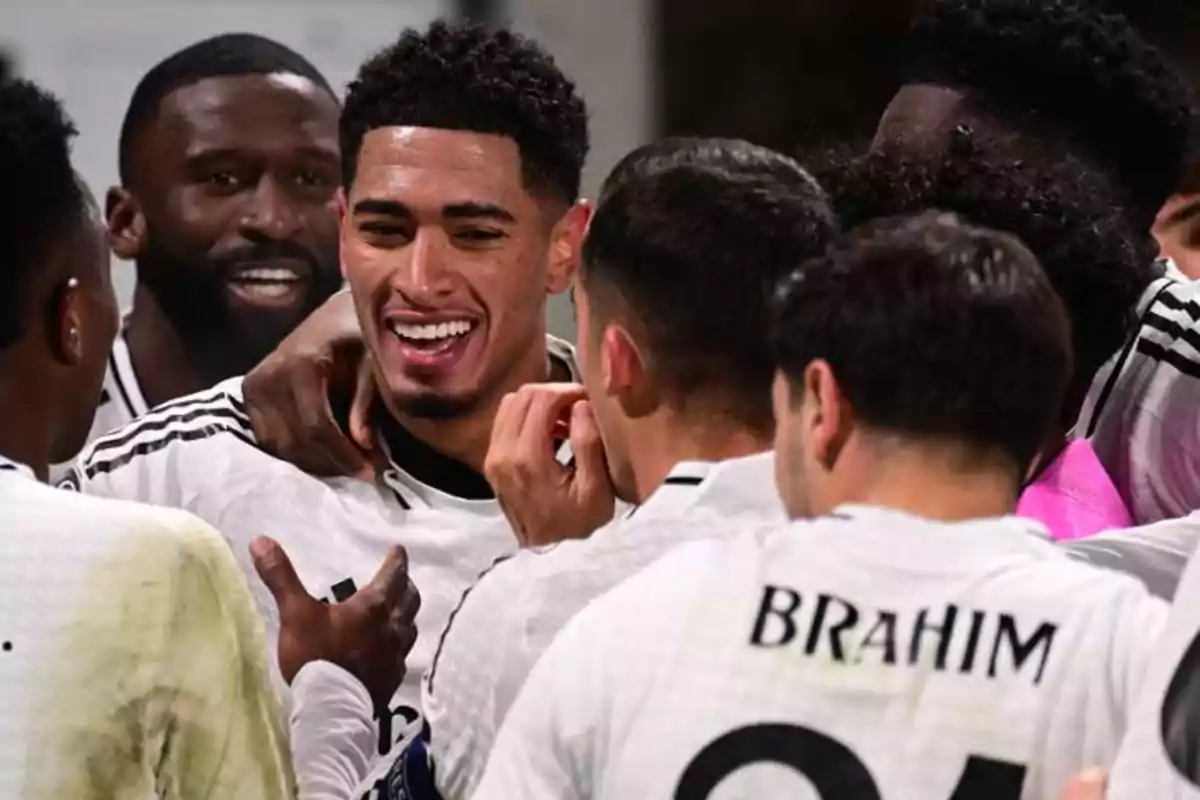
x=46, y=199
x=1063, y=210
x=1062, y=62
x=690, y=236
x=465, y=77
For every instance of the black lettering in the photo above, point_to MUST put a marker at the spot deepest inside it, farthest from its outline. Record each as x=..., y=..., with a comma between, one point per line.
x=968, y=662
x=885, y=629
x=343, y=590
x=849, y=619
x=1006, y=632
x=768, y=608
x=1179, y=718
x=944, y=632
x=388, y=729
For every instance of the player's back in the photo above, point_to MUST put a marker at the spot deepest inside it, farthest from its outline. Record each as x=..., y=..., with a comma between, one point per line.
x=874, y=653
x=132, y=665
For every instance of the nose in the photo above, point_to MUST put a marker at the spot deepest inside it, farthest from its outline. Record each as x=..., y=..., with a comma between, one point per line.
x=427, y=275
x=270, y=213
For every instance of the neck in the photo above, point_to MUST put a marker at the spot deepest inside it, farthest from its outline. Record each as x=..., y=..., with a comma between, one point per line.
x=164, y=368
x=664, y=440
x=934, y=482
x=466, y=439
x=29, y=433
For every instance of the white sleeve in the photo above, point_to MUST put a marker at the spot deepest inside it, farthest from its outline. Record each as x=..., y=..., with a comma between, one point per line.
x=544, y=748
x=1154, y=554
x=334, y=733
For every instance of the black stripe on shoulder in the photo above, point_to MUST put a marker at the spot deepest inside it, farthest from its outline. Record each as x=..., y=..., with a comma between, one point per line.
x=1165, y=355
x=1172, y=328
x=437, y=654
x=118, y=459
x=156, y=421
x=683, y=480
x=1190, y=307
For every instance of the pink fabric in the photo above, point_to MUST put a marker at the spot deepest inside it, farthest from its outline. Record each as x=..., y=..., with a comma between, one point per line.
x=1074, y=497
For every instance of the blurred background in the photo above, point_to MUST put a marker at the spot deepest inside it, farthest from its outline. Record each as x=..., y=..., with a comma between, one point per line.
x=790, y=74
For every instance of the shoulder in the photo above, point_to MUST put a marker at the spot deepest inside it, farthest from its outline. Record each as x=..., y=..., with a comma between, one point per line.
x=213, y=413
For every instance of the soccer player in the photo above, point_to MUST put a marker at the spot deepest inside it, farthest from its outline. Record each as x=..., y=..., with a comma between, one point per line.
x=462, y=151
x=229, y=165
x=1038, y=81
x=688, y=239
x=911, y=641
x=132, y=657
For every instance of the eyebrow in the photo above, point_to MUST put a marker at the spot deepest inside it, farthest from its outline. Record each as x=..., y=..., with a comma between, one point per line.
x=470, y=210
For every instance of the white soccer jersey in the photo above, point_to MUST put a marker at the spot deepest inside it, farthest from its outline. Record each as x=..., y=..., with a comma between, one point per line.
x=121, y=400
x=132, y=662
x=1160, y=757
x=869, y=654
x=198, y=453
x=1141, y=413
x=1156, y=554
x=508, y=618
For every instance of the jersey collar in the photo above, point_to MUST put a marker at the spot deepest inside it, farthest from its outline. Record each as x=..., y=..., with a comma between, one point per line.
x=1020, y=525
x=10, y=467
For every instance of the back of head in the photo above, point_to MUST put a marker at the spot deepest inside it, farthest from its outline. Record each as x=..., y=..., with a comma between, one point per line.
x=1063, y=68
x=468, y=78
x=45, y=202
x=226, y=55
x=1064, y=211
x=934, y=330
x=687, y=242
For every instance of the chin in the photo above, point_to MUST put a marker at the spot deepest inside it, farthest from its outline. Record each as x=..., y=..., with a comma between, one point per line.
x=434, y=405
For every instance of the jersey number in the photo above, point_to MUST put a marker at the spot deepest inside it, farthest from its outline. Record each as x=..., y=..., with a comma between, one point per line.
x=834, y=771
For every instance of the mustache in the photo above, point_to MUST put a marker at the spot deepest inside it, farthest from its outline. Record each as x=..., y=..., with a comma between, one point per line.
x=265, y=252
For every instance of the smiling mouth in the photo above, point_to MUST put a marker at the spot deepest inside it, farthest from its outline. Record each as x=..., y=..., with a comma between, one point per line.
x=266, y=283
x=432, y=337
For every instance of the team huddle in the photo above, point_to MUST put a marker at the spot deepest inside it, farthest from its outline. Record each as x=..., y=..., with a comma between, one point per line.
x=868, y=474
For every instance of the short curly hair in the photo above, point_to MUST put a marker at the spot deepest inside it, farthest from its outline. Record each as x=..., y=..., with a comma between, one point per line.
x=1085, y=72
x=1063, y=210
x=46, y=199
x=466, y=77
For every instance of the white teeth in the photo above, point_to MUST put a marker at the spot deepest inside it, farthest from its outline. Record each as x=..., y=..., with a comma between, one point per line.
x=431, y=332
x=268, y=275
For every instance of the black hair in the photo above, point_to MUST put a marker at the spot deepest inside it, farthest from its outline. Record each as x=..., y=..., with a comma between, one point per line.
x=690, y=236
x=465, y=77
x=45, y=198
x=226, y=55
x=933, y=329
x=1063, y=210
x=1063, y=63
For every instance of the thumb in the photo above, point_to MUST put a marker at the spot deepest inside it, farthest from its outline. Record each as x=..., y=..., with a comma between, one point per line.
x=361, y=432
x=392, y=578
x=591, y=467
x=276, y=571
x=1088, y=785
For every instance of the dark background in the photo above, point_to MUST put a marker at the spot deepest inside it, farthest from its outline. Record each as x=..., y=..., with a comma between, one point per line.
x=794, y=74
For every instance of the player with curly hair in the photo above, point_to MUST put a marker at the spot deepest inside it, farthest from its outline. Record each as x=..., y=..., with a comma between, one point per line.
x=1088, y=127
x=462, y=151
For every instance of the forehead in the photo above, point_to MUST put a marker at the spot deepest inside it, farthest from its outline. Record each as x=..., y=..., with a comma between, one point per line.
x=432, y=167
x=917, y=113
x=245, y=112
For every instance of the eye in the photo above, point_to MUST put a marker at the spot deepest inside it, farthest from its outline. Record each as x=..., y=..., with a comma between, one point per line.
x=479, y=235
x=380, y=229
x=312, y=179
x=222, y=180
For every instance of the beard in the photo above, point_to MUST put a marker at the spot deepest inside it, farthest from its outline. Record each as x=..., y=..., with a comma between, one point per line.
x=222, y=337
x=436, y=407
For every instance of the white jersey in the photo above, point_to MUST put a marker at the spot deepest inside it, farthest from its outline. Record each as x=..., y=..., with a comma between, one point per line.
x=121, y=400
x=1160, y=758
x=198, y=453
x=508, y=618
x=1140, y=414
x=1155, y=554
x=868, y=654
x=132, y=663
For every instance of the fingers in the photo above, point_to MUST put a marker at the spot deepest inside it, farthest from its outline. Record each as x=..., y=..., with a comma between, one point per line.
x=276, y=571
x=547, y=405
x=1091, y=784
x=362, y=433
x=591, y=466
x=322, y=448
x=391, y=580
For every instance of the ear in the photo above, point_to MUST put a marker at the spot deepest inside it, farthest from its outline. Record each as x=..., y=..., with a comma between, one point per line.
x=66, y=321
x=126, y=224
x=343, y=213
x=566, y=241
x=622, y=368
x=826, y=412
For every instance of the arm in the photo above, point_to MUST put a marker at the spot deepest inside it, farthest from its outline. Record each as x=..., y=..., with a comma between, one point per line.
x=1154, y=554
x=334, y=733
